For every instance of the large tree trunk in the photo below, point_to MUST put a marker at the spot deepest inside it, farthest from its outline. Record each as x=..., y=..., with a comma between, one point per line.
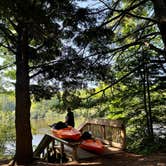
x=160, y=12
x=24, y=151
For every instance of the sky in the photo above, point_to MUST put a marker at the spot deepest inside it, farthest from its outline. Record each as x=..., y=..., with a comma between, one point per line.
x=1, y=61
x=90, y=3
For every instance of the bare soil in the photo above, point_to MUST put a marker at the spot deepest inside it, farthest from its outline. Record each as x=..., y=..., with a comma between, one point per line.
x=120, y=159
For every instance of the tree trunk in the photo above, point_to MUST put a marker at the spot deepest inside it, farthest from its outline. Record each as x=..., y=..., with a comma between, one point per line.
x=160, y=12
x=145, y=99
x=149, y=102
x=24, y=151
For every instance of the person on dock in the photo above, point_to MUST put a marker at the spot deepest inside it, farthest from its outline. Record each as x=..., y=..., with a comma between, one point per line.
x=69, y=120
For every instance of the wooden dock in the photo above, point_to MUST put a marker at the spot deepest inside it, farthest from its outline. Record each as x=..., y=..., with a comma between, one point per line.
x=111, y=133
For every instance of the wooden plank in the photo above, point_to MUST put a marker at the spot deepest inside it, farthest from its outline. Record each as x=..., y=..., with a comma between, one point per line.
x=117, y=145
x=69, y=143
x=43, y=144
x=73, y=145
x=106, y=122
x=123, y=135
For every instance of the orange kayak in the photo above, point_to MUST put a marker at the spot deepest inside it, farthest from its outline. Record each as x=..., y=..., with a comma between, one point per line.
x=92, y=145
x=67, y=133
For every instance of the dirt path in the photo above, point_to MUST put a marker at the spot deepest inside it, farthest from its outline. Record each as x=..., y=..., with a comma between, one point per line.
x=127, y=159
x=121, y=159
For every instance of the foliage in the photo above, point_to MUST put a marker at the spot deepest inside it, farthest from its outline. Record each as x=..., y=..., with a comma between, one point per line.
x=7, y=133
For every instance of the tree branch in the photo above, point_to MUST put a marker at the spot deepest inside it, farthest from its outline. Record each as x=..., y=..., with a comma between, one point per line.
x=115, y=82
x=123, y=12
x=140, y=17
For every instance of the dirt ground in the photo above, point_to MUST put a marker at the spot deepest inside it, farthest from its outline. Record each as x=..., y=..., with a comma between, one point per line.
x=128, y=159
x=120, y=159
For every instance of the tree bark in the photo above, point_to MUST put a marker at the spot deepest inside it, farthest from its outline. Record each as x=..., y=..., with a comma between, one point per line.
x=24, y=152
x=149, y=102
x=145, y=99
x=160, y=12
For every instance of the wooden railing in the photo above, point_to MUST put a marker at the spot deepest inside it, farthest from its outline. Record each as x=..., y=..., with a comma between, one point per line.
x=111, y=132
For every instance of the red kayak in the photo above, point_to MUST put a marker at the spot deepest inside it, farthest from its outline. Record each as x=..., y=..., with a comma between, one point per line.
x=67, y=133
x=92, y=145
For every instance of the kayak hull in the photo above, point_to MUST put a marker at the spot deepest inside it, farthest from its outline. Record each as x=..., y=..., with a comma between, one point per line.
x=69, y=133
x=92, y=145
